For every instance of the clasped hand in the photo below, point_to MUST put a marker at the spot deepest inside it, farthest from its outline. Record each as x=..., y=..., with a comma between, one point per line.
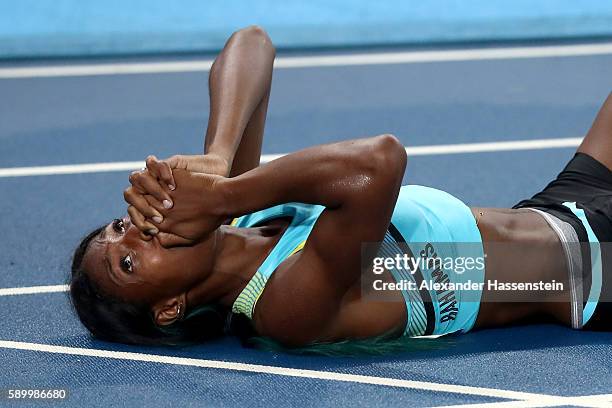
x=177, y=199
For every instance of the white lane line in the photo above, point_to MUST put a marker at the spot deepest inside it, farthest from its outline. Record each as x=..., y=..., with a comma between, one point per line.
x=274, y=370
x=381, y=58
x=504, y=404
x=593, y=401
x=86, y=168
x=33, y=290
x=486, y=147
x=70, y=169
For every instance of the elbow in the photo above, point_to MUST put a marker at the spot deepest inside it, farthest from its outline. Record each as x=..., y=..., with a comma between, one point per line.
x=254, y=31
x=382, y=159
x=389, y=155
x=256, y=34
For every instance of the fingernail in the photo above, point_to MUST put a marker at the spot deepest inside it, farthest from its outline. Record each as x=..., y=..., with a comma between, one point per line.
x=152, y=231
x=158, y=219
x=171, y=187
x=167, y=204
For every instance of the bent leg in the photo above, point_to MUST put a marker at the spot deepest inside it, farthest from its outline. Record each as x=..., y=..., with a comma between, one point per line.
x=598, y=141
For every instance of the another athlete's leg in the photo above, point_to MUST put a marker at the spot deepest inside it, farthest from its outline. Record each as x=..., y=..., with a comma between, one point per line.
x=598, y=141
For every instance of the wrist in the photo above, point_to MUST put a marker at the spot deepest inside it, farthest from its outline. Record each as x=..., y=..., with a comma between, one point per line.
x=223, y=156
x=220, y=164
x=225, y=165
x=225, y=207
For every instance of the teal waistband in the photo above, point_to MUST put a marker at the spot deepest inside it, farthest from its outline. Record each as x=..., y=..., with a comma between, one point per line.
x=430, y=218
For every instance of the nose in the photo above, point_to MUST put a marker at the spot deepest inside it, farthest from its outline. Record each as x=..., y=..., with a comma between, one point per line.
x=134, y=236
x=131, y=231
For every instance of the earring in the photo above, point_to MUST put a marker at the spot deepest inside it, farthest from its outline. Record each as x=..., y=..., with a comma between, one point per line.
x=178, y=310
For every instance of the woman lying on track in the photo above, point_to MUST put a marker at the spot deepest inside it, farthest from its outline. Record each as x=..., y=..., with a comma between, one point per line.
x=217, y=244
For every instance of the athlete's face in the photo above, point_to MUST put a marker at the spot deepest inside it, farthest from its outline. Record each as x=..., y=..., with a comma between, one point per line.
x=134, y=270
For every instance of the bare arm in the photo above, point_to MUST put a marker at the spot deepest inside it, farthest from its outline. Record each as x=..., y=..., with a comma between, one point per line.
x=239, y=82
x=358, y=182
x=330, y=175
x=352, y=179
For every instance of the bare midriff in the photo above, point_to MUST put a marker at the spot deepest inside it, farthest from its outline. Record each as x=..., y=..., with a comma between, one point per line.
x=520, y=247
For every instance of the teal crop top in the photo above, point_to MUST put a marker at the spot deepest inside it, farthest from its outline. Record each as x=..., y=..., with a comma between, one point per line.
x=425, y=220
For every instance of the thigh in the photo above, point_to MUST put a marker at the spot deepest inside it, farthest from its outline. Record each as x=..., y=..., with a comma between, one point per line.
x=598, y=141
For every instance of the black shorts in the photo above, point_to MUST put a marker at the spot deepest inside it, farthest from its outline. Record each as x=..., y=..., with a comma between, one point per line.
x=587, y=182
